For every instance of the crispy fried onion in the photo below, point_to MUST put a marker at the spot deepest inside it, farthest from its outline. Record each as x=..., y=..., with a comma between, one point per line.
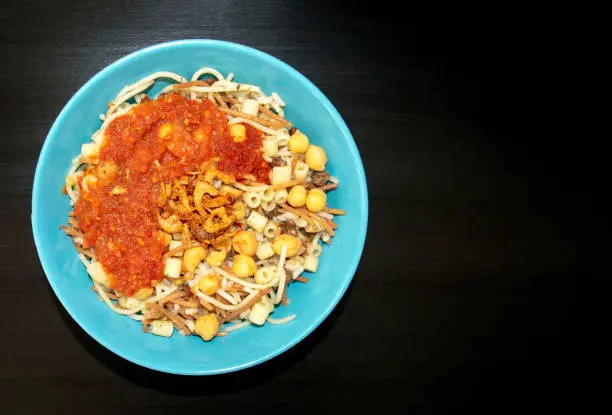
x=161, y=201
x=203, y=189
x=170, y=224
x=224, y=240
x=218, y=220
x=201, y=210
x=213, y=173
x=181, y=191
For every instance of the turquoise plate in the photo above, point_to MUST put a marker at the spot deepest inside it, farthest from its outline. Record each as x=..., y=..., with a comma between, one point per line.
x=307, y=108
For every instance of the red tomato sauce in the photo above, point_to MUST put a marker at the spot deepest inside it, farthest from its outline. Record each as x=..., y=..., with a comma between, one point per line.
x=243, y=157
x=156, y=141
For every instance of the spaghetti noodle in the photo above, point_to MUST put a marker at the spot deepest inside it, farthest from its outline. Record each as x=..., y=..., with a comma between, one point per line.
x=182, y=216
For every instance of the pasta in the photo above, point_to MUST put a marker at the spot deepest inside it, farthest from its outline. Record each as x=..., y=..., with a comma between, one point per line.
x=182, y=207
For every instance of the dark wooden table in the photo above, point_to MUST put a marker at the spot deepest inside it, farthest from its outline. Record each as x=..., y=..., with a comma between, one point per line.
x=469, y=286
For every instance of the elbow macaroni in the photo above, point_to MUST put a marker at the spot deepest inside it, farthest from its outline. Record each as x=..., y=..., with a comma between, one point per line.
x=252, y=199
x=280, y=196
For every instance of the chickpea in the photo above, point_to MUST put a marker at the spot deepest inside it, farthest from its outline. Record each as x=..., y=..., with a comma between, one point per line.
x=216, y=258
x=164, y=130
x=243, y=266
x=107, y=171
x=316, y=158
x=297, y=196
x=298, y=143
x=316, y=200
x=207, y=326
x=245, y=242
x=209, y=284
x=238, y=132
x=143, y=293
x=291, y=242
x=193, y=257
x=118, y=190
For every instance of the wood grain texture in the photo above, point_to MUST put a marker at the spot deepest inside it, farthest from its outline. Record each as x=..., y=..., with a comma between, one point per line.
x=467, y=292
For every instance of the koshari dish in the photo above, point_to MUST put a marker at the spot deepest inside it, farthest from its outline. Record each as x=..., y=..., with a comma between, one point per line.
x=195, y=210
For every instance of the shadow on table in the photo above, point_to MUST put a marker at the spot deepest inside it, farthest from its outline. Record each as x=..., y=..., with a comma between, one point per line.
x=195, y=385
